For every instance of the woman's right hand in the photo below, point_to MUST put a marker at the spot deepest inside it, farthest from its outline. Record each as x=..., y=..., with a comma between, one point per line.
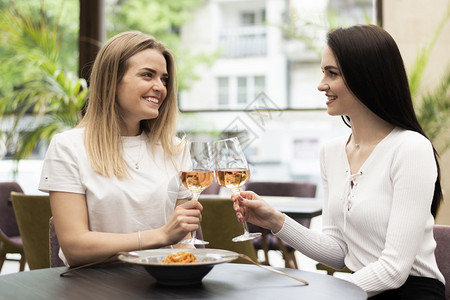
x=251, y=207
x=185, y=219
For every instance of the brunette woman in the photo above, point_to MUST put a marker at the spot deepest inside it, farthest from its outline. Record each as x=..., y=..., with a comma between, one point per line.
x=381, y=183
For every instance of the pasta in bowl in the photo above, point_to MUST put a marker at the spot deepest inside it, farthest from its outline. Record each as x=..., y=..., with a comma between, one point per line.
x=179, y=266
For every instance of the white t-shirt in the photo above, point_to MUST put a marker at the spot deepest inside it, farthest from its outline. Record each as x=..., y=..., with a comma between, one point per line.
x=144, y=200
x=382, y=227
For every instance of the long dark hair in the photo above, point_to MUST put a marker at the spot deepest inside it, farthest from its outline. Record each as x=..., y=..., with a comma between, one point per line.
x=373, y=70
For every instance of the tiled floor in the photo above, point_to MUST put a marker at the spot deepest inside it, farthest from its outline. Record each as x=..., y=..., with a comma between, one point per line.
x=11, y=266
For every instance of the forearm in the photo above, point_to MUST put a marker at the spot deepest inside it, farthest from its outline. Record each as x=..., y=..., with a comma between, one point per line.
x=316, y=245
x=91, y=246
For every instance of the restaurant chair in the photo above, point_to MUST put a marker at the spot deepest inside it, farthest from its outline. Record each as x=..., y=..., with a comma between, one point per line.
x=219, y=226
x=268, y=242
x=33, y=213
x=330, y=270
x=442, y=253
x=10, y=240
x=55, y=261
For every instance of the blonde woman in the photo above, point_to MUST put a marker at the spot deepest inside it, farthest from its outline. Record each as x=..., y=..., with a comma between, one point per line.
x=113, y=180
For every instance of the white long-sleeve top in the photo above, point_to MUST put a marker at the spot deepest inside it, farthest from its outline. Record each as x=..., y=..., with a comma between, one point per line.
x=380, y=226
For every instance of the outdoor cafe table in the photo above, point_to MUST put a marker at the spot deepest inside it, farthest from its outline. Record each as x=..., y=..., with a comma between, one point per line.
x=296, y=207
x=120, y=280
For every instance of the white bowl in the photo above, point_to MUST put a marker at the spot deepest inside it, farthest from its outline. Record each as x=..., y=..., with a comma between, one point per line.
x=179, y=273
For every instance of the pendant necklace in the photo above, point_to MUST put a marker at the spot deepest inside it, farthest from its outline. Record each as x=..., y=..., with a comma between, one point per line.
x=136, y=163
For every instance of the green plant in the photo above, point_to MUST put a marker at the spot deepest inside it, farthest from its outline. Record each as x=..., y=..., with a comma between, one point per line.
x=35, y=63
x=53, y=97
x=432, y=108
x=163, y=20
x=433, y=113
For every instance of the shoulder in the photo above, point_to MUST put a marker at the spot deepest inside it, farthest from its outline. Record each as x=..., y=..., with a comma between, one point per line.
x=69, y=139
x=74, y=134
x=334, y=145
x=408, y=140
x=410, y=148
x=336, y=142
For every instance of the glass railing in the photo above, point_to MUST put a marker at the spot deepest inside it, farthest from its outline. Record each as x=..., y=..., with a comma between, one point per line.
x=244, y=41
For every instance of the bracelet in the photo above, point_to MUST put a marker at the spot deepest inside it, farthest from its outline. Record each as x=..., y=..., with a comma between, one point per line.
x=139, y=239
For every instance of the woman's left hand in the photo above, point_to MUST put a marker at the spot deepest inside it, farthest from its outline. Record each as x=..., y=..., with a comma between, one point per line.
x=251, y=207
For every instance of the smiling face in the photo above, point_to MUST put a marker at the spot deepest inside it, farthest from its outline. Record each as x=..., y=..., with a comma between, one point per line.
x=142, y=89
x=340, y=100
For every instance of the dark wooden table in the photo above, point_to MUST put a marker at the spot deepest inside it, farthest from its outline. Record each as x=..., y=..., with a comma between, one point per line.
x=126, y=281
x=296, y=207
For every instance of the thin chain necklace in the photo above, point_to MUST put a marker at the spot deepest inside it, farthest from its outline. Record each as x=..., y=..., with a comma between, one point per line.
x=136, y=162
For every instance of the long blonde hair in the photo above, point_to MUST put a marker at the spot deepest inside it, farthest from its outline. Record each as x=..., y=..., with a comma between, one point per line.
x=102, y=121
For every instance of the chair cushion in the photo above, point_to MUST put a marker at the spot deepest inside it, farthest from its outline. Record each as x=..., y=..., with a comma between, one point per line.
x=8, y=222
x=16, y=240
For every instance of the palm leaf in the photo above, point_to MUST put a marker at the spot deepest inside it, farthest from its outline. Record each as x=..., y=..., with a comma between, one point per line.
x=53, y=96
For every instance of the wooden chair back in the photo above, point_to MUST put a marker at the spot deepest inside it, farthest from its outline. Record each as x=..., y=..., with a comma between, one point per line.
x=33, y=213
x=10, y=240
x=219, y=226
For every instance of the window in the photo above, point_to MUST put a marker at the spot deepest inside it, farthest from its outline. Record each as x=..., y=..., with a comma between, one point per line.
x=238, y=92
x=256, y=55
x=251, y=18
x=223, y=88
x=248, y=18
x=260, y=85
x=242, y=90
x=245, y=34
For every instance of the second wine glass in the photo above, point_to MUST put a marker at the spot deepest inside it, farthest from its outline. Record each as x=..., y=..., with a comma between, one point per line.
x=198, y=176
x=232, y=172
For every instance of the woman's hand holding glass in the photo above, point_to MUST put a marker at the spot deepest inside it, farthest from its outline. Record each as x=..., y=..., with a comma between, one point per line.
x=251, y=207
x=198, y=176
x=232, y=172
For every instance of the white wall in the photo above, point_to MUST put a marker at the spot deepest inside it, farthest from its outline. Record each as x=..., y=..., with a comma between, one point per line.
x=28, y=176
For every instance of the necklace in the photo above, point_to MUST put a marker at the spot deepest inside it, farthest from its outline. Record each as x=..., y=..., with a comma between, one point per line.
x=136, y=162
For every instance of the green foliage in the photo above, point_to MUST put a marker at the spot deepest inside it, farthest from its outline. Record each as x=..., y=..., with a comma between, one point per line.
x=163, y=20
x=312, y=31
x=422, y=58
x=432, y=108
x=434, y=114
x=37, y=86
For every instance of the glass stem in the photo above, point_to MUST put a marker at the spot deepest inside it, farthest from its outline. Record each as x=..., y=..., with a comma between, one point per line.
x=246, y=232
x=244, y=223
x=195, y=196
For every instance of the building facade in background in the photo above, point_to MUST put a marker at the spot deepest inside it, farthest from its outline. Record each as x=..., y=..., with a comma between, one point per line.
x=263, y=85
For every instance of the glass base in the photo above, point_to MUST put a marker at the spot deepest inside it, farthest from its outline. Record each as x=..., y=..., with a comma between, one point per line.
x=246, y=236
x=194, y=241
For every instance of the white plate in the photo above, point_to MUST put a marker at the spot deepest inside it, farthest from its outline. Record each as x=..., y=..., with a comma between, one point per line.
x=179, y=273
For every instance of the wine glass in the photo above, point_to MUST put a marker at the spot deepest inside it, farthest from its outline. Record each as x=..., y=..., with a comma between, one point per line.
x=232, y=172
x=197, y=177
